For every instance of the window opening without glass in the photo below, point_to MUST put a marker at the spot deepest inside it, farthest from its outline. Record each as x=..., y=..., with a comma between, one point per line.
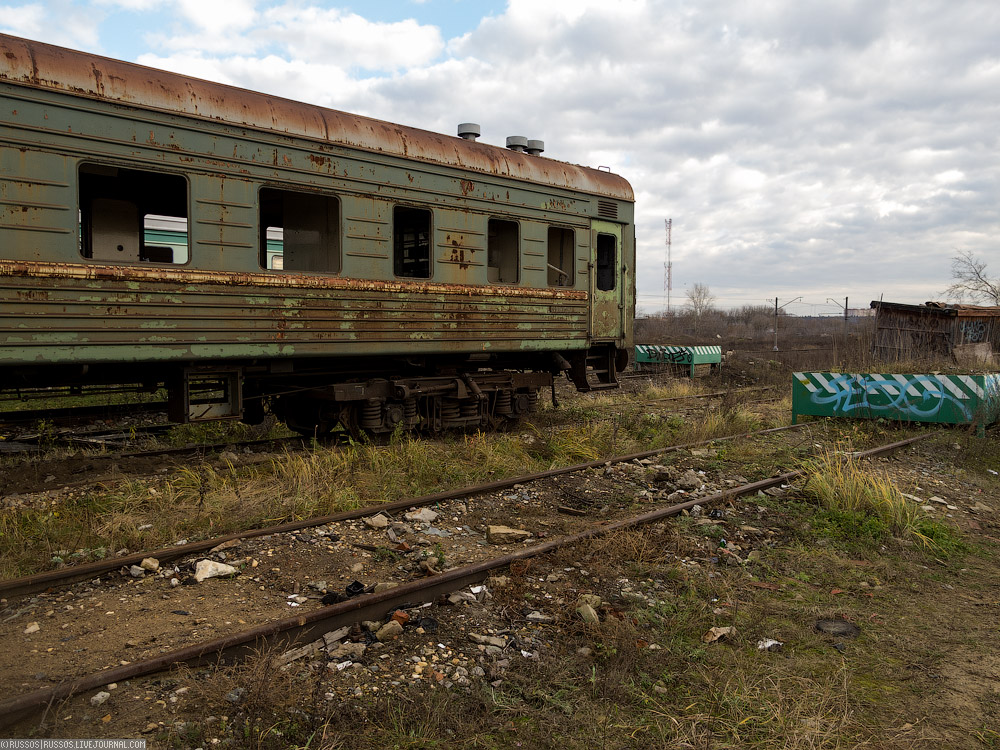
x=411, y=233
x=299, y=231
x=132, y=216
x=560, y=260
x=502, y=252
x=607, y=261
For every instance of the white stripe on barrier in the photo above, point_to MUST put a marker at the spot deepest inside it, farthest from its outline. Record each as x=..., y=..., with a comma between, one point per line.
x=952, y=386
x=907, y=384
x=822, y=381
x=972, y=384
x=804, y=379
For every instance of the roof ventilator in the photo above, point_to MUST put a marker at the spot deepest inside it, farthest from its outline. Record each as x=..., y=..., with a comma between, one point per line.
x=517, y=143
x=535, y=148
x=469, y=131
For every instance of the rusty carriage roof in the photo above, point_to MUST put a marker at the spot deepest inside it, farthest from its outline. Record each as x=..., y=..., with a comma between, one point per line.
x=46, y=66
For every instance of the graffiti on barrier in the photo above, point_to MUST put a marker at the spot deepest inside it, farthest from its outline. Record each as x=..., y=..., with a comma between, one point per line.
x=668, y=355
x=676, y=357
x=917, y=396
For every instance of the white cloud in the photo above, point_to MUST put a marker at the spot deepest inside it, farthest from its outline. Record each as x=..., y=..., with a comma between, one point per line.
x=349, y=40
x=217, y=15
x=22, y=20
x=58, y=22
x=136, y=5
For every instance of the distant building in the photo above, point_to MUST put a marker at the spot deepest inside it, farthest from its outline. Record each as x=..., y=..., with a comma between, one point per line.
x=967, y=333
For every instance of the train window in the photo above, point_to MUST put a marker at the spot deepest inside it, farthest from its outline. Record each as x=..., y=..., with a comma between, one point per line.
x=132, y=216
x=501, y=252
x=299, y=231
x=607, y=261
x=411, y=242
x=561, y=242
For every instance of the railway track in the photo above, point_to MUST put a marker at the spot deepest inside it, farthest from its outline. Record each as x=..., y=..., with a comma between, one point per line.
x=306, y=627
x=42, y=581
x=94, y=467
x=98, y=463
x=72, y=414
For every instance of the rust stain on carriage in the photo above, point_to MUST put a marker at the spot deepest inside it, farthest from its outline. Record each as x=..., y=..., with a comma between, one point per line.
x=46, y=66
x=88, y=272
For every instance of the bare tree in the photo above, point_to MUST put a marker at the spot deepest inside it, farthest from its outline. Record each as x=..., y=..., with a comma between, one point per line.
x=700, y=299
x=971, y=280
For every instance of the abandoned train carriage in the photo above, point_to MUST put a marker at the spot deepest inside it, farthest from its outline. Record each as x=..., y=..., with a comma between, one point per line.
x=239, y=248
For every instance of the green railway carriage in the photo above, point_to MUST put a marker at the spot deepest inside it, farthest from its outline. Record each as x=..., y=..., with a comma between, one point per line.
x=240, y=249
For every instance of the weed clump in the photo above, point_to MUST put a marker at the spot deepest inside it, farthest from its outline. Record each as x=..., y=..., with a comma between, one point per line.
x=862, y=504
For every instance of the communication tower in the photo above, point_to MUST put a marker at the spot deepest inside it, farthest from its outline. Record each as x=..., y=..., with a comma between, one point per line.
x=668, y=266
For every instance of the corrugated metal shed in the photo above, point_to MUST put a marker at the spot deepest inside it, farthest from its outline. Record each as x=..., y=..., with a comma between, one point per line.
x=935, y=329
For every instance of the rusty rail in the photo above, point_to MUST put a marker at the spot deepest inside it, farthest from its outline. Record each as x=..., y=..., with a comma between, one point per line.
x=41, y=581
x=309, y=626
x=73, y=413
x=714, y=394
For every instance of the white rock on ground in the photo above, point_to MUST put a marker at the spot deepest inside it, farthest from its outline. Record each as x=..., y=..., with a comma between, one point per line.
x=424, y=514
x=592, y=599
x=588, y=614
x=390, y=630
x=690, y=480
x=353, y=651
x=505, y=534
x=212, y=569
x=488, y=640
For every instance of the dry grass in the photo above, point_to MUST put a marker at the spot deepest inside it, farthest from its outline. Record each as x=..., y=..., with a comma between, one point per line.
x=263, y=706
x=840, y=482
x=204, y=500
x=673, y=389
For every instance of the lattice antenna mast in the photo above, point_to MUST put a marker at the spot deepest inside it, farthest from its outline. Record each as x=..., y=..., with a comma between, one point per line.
x=668, y=265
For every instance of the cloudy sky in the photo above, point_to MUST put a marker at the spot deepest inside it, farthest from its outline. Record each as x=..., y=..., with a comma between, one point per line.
x=807, y=148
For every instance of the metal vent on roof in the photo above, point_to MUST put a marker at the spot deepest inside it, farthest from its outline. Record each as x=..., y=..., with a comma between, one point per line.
x=469, y=131
x=517, y=143
x=607, y=209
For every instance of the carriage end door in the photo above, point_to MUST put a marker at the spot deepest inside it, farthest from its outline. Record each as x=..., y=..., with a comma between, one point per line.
x=607, y=283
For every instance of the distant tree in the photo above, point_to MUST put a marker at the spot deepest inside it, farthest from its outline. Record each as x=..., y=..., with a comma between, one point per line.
x=700, y=299
x=971, y=280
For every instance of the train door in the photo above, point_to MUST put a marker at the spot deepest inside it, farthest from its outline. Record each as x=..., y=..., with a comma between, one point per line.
x=607, y=283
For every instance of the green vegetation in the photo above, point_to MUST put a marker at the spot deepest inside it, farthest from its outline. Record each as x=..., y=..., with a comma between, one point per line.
x=862, y=507
x=850, y=491
x=202, y=500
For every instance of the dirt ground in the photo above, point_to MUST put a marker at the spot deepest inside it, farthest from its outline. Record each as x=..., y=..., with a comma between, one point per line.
x=513, y=664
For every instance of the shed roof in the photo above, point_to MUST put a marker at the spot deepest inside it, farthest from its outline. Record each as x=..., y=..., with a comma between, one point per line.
x=943, y=309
